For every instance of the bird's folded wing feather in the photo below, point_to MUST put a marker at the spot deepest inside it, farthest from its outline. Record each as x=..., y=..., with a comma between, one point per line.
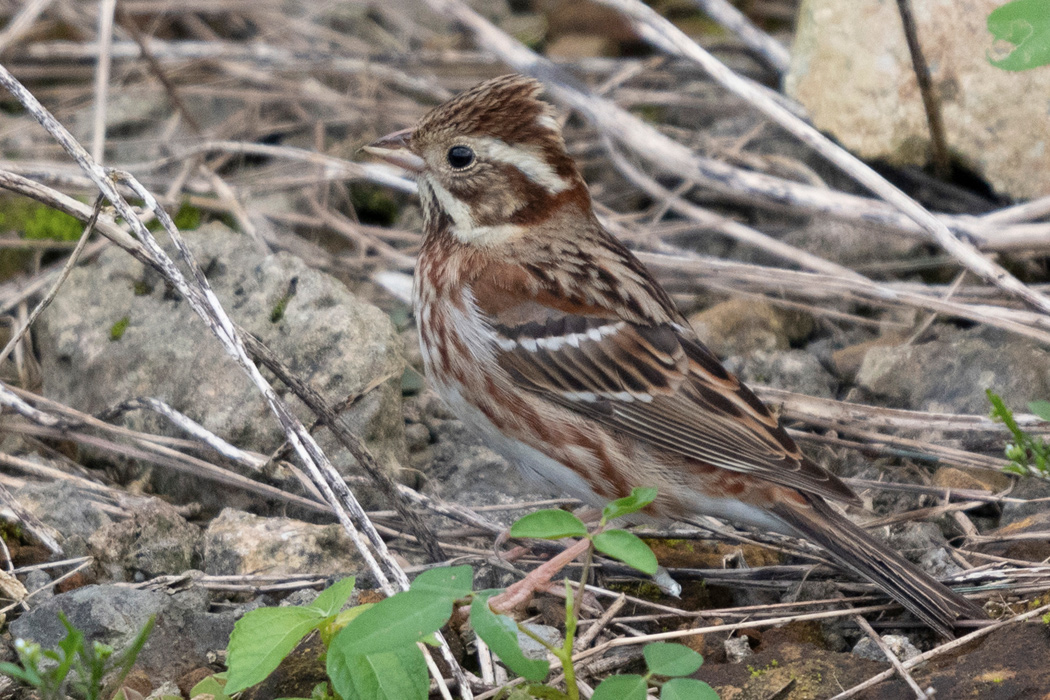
x=659, y=384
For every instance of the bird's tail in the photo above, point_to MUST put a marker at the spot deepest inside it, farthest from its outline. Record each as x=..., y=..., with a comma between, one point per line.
x=931, y=601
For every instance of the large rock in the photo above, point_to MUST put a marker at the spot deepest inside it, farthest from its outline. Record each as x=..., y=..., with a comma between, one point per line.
x=116, y=332
x=950, y=374
x=851, y=69
x=184, y=637
x=62, y=505
x=154, y=541
x=242, y=543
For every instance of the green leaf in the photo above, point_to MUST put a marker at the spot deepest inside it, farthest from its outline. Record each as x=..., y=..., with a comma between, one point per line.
x=622, y=545
x=549, y=524
x=638, y=499
x=1041, y=408
x=390, y=675
x=213, y=685
x=447, y=582
x=332, y=599
x=501, y=634
x=25, y=675
x=687, y=689
x=260, y=641
x=626, y=687
x=666, y=659
x=398, y=621
x=1026, y=24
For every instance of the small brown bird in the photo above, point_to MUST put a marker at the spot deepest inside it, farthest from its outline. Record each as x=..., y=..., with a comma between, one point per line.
x=552, y=340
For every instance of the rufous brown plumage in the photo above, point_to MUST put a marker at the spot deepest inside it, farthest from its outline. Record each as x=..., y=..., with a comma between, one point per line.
x=550, y=338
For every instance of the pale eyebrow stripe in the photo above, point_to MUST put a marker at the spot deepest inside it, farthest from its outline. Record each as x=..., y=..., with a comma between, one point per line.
x=533, y=166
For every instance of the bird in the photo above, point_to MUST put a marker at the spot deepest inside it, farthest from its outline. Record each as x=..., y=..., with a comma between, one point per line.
x=546, y=335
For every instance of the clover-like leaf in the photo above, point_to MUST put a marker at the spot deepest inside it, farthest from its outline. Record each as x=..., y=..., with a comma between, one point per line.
x=668, y=659
x=625, y=687
x=1041, y=408
x=548, y=524
x=639, y=498
x=1026, y=24
x=687, y=689
x=628, y=548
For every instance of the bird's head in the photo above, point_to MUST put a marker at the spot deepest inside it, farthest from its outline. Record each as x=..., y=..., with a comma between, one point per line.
x=491, y=162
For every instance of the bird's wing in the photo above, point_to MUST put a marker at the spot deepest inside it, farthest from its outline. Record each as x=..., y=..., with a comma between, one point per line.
x=654, y=382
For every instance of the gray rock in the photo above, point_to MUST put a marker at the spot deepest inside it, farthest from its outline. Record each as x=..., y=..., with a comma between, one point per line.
x=531, y=648
x=240, y=543
x=116, y=332
x=900, y=645
x=38, y=580
x=61, y=505
x=950, y=373
x=792, y=370
x=155, y=540
x=167, y=689
x=1030, y=489
x=859, y=85
x=738, y=649
x=184, y=635
x=925, y=545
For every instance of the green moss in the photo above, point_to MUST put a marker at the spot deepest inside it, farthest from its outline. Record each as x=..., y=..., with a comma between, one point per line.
x=277, y=312
x=188, y=217
x=756, y=672
x=36, y=221
x=116, y=331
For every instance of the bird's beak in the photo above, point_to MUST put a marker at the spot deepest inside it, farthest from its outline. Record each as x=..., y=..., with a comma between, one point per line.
x=394, y=149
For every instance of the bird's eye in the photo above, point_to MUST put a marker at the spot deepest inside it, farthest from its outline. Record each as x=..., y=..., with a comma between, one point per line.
x=460, y=157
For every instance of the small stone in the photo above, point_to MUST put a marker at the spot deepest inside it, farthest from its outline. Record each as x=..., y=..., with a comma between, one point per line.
x=950, y=373
x=533, y=649
x=738, y=649
x=154, y=541
x=900, y=645
x=847, y=361
x=168, y=689
x=37, y=582
x=1035, y=550
x=1029, y=489
x=237, y=543
x=925, y=545
x=742, y=326
x=969, y=478
x=790, y=370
